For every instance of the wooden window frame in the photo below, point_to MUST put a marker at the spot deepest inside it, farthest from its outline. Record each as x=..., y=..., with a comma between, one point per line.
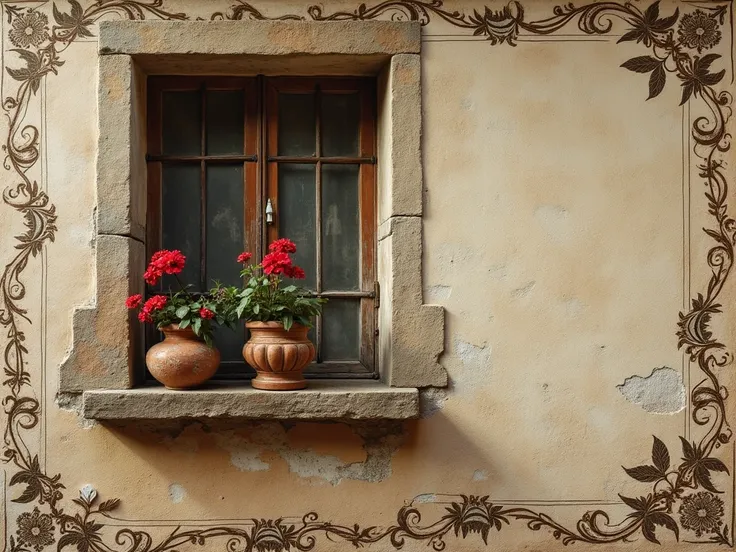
x=260, y=161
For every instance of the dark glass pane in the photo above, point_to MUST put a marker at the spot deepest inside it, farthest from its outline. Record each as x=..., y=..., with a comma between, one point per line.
x=340, y=228
x=296, y=212
x=181, y=219
x=340, y=124
x=181, y=123
x=341, y=330
x=230, y=343
x=225, y=237
x=225, y=122
x=297, y=126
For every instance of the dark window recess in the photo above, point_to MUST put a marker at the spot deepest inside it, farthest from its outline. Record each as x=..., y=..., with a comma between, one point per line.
x=221, y=149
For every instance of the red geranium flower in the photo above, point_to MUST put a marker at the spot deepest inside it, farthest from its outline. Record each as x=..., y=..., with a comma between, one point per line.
x=168, y=262
x=295, y=272
x=206, y=313
x=145, y=316
x=151, y=275
x=276, y=263
x=244, y=257
x=157, y=302
x=133, y=301
x=283, y=245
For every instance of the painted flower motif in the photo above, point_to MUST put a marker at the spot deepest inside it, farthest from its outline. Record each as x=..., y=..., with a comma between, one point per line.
x=29, y=29
x=272, y=536
x=701, y=512
x=36, y=529
x=699, y=31
x=475, y=515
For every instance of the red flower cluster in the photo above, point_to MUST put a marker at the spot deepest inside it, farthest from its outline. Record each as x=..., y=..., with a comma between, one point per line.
x=164, y=262
x=283, y=245
x=134, y=301
x=206, y=314
x=278, y=260
x=276, y=263
x=244, y=257
x=157, y=302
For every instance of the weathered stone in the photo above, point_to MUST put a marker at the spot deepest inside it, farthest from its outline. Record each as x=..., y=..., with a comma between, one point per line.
x=411, y=336
x=265, y=38
x=121, y=177
x=104, y=336
x=322, y=400
x=400, y=138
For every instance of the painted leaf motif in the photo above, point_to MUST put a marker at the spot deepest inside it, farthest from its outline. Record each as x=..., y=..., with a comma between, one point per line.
x=645, y=474
x=660, y=518
x=656, y=82
x=642, y=64
x=660, y=455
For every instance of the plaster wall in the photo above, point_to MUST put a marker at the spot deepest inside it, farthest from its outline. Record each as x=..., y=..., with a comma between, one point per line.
x=563, y=234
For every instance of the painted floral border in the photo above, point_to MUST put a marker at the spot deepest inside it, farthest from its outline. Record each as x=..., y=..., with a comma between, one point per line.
x=680, y=496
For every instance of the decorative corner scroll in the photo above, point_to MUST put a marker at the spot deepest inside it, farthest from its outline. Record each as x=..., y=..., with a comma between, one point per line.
x=680, y=497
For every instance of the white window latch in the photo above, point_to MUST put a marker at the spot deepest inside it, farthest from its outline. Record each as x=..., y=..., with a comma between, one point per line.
x=269, y=212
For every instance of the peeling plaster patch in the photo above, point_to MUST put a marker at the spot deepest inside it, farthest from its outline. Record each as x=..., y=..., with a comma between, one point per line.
x=431, y=401
x=480, y=475
x=553, y=219
x=437, y=293
x=380, y=443
x=476, y=365
x=424, y=499
x=523, y=291
x=661, y=392
x=176, y=493
x=72, y=402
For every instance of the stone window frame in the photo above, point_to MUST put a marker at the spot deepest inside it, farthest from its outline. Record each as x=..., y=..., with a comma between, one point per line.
x=106, y=338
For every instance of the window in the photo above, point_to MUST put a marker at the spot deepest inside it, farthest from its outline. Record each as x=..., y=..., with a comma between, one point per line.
x=223, y=152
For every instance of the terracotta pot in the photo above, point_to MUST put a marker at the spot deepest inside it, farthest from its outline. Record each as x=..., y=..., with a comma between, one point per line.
x=278, y=355
x=182, y=360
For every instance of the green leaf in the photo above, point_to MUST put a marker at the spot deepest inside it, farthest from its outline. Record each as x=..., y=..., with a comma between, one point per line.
x=256, y=308
x=290, y=289
x=184, y=323
x=288, y=321
x=181, y=312
x=197, y=326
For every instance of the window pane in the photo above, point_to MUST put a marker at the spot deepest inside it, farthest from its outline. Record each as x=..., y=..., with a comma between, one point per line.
x=341, y=330
x=180, y=222
x=181, y=123
x=230, y=343
x=225, y=237
x=225, y=122
x=296, y=212
x=297, y=126
x=340, y=124
x=340, y=228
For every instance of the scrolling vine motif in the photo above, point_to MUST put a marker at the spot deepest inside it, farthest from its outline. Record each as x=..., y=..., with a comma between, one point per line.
x=684, y=492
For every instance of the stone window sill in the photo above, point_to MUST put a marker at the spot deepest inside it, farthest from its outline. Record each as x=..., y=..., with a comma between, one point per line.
x=322, y=400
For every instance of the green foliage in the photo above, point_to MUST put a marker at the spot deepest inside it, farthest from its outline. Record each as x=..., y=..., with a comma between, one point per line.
x=264, y=299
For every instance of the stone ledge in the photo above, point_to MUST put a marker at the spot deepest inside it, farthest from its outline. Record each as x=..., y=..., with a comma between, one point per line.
x=322, y=400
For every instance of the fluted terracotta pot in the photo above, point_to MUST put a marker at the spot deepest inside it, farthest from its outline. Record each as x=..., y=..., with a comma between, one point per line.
x=182, y=360
x=277, y=355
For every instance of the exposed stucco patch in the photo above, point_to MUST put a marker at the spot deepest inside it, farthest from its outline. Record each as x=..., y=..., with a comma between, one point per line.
x=475, y=361
x=433, y=294
x=431, y=401
x=380, y=443
x=661, y=392
x=176, y=493
x=480, y=475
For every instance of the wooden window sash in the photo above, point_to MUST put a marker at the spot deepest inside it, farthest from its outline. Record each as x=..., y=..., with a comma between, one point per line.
x=260, y=170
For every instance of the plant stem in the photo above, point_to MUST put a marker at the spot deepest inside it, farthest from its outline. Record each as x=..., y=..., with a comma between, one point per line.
x=178, y=281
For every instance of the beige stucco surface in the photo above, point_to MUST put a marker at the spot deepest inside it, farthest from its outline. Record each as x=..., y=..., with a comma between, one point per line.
x=562, y=226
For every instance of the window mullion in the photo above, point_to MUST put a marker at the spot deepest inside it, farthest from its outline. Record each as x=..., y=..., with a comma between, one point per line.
x=318, y=209
x=203, y=192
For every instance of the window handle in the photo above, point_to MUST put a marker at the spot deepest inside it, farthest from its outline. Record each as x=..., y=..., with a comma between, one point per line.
x=269, y=211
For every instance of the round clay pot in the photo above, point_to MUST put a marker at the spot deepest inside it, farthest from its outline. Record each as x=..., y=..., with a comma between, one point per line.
x=182, y=360
x=278, y=355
